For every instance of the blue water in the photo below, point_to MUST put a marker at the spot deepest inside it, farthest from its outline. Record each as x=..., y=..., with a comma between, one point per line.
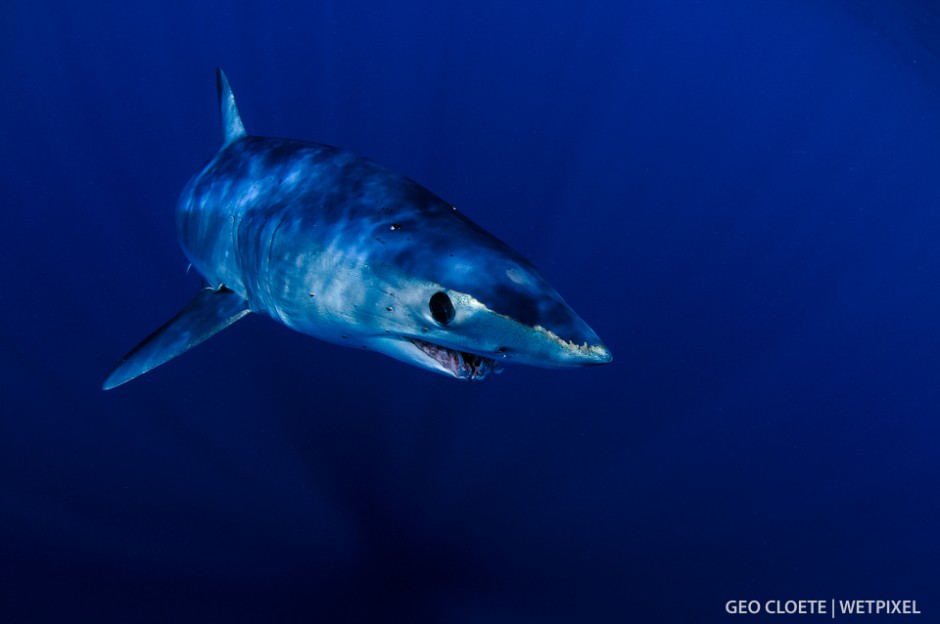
x=741, y=198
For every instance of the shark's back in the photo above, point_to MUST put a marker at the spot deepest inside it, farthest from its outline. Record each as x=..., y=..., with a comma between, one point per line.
x=264, y=206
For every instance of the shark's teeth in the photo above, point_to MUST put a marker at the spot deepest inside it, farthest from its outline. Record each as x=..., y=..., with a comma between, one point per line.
x=461, y=364
x=597, y=352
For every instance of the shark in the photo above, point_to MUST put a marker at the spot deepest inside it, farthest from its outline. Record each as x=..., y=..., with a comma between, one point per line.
x=346, y=250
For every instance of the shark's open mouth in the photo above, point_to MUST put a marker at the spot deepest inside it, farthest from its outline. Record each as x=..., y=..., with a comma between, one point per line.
x=461, y=364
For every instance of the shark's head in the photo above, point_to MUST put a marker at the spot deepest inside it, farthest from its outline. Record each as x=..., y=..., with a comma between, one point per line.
x=464, y=308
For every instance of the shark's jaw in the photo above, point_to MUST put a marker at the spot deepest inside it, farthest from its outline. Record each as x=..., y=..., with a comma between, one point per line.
x=467, y=340
x=459, y=364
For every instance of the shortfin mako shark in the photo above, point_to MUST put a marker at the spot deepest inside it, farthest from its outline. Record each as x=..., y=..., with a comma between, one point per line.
x=343, y=249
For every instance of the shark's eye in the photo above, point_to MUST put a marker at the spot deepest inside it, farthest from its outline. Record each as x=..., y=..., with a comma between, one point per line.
x=441, y=308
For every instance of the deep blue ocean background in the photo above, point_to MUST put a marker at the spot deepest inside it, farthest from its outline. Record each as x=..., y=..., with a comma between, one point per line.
x=741, y=198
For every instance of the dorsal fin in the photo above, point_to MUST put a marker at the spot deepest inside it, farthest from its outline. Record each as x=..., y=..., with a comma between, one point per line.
x=232, y=126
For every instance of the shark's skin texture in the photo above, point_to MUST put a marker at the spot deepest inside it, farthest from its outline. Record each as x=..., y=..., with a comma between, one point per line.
x=343, y=249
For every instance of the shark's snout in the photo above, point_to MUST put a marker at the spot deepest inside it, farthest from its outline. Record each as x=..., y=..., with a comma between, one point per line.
x=536, y=325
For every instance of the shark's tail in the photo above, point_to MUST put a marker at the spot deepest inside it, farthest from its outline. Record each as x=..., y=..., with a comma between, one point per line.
x=232, y=126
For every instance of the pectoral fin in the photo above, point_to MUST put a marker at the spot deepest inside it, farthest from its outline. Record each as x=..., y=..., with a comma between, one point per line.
x=209, y=312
